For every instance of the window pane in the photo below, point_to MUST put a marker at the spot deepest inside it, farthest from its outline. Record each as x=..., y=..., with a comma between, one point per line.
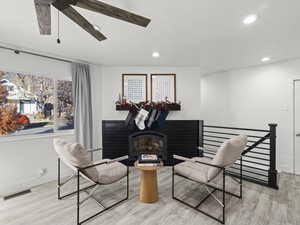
x=26, y=104
x=65, y=109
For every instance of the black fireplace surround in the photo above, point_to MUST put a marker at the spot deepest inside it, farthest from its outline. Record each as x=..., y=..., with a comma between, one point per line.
x=182, y=138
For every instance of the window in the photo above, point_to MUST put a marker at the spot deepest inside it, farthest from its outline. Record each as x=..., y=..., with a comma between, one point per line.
x=34, y=104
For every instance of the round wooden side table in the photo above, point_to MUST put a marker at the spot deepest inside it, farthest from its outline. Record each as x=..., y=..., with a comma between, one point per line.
x=148, y=183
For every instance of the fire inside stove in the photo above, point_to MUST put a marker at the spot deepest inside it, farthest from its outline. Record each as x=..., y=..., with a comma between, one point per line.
x=148, y=143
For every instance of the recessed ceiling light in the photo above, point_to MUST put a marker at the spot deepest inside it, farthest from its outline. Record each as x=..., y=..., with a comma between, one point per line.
x=265, y=59
x=250, y=19
x=155, y=54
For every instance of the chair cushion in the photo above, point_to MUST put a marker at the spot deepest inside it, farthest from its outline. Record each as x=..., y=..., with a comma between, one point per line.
x=229, y=152
x=75, y=156
x=193, y=170
x=109, y=173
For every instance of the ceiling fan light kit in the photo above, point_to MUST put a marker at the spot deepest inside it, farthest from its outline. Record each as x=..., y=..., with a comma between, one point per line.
x=43, y=10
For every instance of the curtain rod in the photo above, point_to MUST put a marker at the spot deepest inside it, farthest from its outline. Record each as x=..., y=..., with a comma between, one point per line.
x=17, y=51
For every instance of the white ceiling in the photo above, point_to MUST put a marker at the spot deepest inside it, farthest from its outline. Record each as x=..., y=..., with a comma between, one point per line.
x=205, y=33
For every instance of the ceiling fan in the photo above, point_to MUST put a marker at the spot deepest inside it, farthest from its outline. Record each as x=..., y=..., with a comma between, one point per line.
x=43, y=10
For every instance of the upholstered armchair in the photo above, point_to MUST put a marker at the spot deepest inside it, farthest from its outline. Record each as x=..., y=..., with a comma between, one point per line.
x=103, y=172
x=206, y=170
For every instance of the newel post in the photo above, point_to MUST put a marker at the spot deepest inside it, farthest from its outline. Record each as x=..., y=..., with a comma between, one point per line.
x=272, y=170
x=201, y=133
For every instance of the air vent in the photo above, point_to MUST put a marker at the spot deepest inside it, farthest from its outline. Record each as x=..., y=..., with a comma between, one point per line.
x=15, y=195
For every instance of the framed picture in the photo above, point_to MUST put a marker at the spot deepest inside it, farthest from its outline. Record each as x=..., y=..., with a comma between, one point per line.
x=134, y=87
x=163, y=87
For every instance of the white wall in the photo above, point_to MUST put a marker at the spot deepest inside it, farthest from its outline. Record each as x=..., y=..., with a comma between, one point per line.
x=253, y=98
x=22, y=158
x=188, y=90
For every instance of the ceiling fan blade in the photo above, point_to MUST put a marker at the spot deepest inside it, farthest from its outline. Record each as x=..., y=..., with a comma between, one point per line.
x=43, y=12
x=82, y=22
x=112, y=11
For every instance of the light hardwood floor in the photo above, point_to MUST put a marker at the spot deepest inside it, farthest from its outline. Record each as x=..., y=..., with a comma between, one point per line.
x=260, y=205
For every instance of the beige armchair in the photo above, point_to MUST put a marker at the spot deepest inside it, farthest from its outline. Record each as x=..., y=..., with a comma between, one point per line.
x=205, y=170
x=103, y=172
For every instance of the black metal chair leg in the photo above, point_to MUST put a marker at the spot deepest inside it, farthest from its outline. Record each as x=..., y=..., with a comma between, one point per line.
x=78, y=197
x=102, y=211
x=127, y=182
x=173, y=181
x=58, y=179
x=78, y=190
x=241, y=178
x=198, y=205
x=224, y=192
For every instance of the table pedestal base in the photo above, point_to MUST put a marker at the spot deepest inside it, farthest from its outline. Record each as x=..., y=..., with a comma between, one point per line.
x=148, y=186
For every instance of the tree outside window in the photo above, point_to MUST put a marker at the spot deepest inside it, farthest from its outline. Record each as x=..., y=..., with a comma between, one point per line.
x=28, y=104
x=64, y=110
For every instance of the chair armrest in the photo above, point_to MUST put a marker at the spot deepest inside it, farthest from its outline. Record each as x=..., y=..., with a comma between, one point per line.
x=105, y=162
x=119, y=159
x=205, y=148
x=195, y=161
x=183, y=158
x=94, y=150
x=93, y=165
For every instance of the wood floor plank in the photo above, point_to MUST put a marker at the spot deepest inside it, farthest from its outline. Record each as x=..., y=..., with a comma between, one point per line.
x=259, y=206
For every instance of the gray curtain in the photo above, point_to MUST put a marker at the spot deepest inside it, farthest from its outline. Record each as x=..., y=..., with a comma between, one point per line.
x=83, y=104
